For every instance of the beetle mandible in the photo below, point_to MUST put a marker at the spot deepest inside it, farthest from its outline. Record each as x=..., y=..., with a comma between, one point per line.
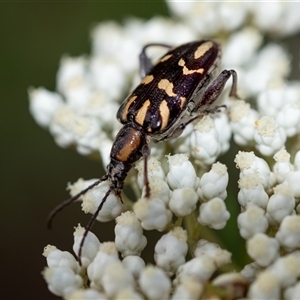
x=175, y=91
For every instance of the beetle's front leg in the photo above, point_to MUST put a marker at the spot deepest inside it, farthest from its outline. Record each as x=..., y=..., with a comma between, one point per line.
x=214, y=90
x=146, y=154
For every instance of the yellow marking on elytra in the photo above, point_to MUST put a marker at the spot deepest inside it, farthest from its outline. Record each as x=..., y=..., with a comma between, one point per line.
x=187, y=71
x=140, y=116
x=164, y=113
x=166, y=57
x=182, y=101
x=147, y=79
x=126, y=107
x=167, y=86
x=202, y=49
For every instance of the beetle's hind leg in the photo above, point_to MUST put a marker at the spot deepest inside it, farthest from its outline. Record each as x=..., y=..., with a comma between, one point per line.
x=145, y=62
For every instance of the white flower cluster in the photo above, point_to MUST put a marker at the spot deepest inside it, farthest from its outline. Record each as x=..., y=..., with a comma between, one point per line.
x=189, y=187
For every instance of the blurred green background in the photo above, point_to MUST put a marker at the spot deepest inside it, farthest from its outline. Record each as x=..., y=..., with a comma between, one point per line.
x=34, y=171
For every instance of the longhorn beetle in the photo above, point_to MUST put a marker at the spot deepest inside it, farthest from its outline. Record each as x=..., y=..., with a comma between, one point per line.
x=175, y=91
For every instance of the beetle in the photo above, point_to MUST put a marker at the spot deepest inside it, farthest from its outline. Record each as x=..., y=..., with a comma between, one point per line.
x=174, y=92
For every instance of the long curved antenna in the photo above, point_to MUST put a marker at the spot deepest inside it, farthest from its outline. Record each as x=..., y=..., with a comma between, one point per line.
x=91, y=223
x=67, y=202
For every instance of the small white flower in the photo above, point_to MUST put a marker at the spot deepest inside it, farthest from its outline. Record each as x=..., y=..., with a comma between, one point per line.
x=252, y=221
x=62, y=281
x=263, y=249
x=128, y=293
x=171, y=249
x=154, y=283
x=200, y=268
x=129, y=238
x=152, y=213
x=252, y=191
x=90, y=247
x=213, y=251
x=134, y=264
x=223, y=128
x=181, y=172
x=251, y=271
x=297, y=160
x=58, y=258
x=43, y=105
x=213, y=213
x=106, y=255
x=292, y=180
x=214, y=183
x=243, y=122
x=248, y=162
x=92, y=199
x=265, y=286
x=189, y=288
x=183, y=201
x=292, y=292
x=86, y=294
x=269, y=137
x=204, y=141
x=288, y=234
x=282, y=166
x=281, y=203
x=116, y=278
x=286, y=269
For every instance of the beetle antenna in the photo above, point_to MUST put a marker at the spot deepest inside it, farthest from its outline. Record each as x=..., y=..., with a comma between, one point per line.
x=67, y=202
x=91, y=223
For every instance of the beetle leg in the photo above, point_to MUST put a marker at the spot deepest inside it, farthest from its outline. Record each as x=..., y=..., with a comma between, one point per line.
x=145, y=62
x=146, y=153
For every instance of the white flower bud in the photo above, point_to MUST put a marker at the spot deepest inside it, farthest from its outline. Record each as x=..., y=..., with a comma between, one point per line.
x=252, y=221
x=204, y=141
x=106, y=255
x=265, y=286
x=183, y=201
x=269, y=137
x=224, y=131
x=189, y=288
x=170, y=250
x=213, y=251
x=281, y=203
x=292, y=292
x=92, y=199
x=134, y=264
x=128, y=293
x=61, y=126
x=154, y=283
x=159, y=189
x=213, y=213
x=200, y=268
x=247, y=162
x=252, y=191
x=214, y=183
x=152, y=213
x=61, y=259
x=181, y=172
x=288, y=234
x=87, y=134
x=129, y=238
x=115, y=278
x=154, y=170
x=297, y=160
x=86, y=294
x=282, y=166
x=243, y=122
x=251, y=271
x=90, y=247
x=292, y=180
x=263, y=249
x=286, y=269
x=62, y=281
x=43, y=104
x=72, y=80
